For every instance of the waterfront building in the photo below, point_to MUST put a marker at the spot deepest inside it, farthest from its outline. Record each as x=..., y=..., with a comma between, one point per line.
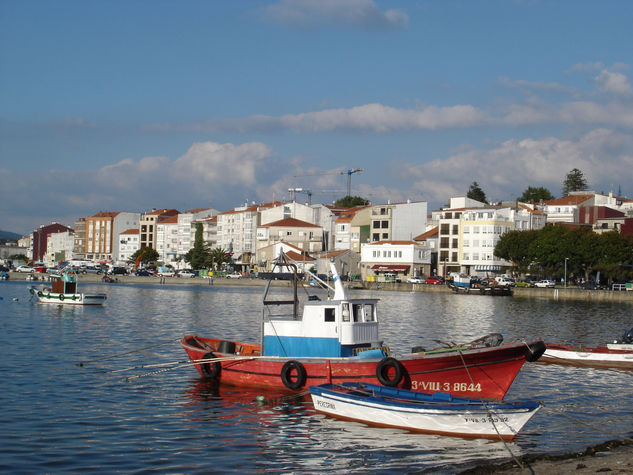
x=39, y=239
x=148, y=224
x=59, y=247
x=392, y=261
x=304, y=235
x=167, y=240
x=352, y=228
x=398, y=221
x=129, y=243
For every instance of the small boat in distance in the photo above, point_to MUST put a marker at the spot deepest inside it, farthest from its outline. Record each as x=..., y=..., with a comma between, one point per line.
x=437, y=413
x=618, y=354
x=63, y=291
x=336, y=340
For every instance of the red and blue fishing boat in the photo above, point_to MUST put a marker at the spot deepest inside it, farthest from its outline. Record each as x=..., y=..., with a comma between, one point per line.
x=337, y=341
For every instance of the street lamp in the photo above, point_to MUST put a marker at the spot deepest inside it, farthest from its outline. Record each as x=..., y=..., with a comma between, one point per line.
x=566, y=259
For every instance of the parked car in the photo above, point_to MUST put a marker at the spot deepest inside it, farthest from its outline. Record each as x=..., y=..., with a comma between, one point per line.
x=234, y=275
x=187, y=273
x=143, y=273
x=118, y=271
x=524, y=283
x=415, y=280
x=24, y=269
x=504, y=281
x=591, y=285
x=4, y=269
x=91, y=270
x=545, y=283
x=434, y=280
x=166, y=273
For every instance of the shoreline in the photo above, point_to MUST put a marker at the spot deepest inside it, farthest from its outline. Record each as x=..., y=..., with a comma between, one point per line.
x=569, y=293
x=611, y=456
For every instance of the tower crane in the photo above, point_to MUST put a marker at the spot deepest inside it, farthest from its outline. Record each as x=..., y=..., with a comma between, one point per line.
x=349, y=172
x=293, y=191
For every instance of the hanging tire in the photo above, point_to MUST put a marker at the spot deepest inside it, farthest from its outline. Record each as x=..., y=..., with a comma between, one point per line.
x=535, y=351
x=61, y=297
x=211, y=370
x=386, y=366
x=287, y=377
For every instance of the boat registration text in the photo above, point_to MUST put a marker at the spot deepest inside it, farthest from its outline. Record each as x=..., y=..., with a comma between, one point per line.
x=444, y=387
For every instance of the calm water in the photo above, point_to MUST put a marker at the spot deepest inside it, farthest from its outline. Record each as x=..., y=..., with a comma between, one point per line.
x=58, y=417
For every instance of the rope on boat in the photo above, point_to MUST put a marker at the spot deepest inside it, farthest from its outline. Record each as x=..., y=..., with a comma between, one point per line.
x=492, y=419
x=81, y=363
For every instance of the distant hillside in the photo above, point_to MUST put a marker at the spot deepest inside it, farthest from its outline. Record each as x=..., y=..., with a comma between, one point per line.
x=9, y=235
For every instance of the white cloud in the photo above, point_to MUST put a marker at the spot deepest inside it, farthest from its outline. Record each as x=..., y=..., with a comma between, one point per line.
x=613, y=83
x=506, y=170
x=359, y=13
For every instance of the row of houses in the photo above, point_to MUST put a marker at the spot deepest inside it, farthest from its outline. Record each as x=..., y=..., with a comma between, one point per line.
x=376, y=242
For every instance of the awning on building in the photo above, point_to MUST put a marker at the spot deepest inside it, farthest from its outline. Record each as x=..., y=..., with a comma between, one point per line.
x=488, y=268
x=389, y=268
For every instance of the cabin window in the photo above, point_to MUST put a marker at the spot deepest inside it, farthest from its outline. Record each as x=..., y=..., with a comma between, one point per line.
x=358, y=312
x=329, y=314
x=345, y=312
x=369, y=312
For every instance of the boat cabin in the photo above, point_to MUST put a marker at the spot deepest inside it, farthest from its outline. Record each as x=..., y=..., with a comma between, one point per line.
x=64, y=283
x=340, y=327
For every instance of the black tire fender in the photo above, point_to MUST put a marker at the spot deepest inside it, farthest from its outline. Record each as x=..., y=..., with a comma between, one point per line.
x=382, y=371
x=286, y=374
x=535, y=351
x=211, y=370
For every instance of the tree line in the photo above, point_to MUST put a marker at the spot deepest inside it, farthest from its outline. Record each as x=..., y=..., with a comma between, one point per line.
x=585, y=253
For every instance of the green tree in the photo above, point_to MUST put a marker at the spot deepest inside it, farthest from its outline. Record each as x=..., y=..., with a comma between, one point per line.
x=351, y=201
x=476, y=193
x=148, y=255
x=514, y=246
x=218, y=257
x=574, y=181
x=535, y=195
x=198, y=256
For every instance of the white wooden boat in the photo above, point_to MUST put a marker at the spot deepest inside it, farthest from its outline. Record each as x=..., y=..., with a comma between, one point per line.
x=63, y=291
x=437, y=413
x=618, y=354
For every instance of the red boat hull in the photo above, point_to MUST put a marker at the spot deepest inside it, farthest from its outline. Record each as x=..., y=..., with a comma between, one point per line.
x=475, y=373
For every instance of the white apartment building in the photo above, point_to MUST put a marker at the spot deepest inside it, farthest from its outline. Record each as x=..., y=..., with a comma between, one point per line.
x=167, y=240
x=303, y=235
x=468, y=236
x=352, y=228
x=391, y=260
x=129, y=243
x=187, y=232
x=398, y=221
x=59, y=247
x=237, y=229
x=209, y=231
x=122, y=222
x=318, y=214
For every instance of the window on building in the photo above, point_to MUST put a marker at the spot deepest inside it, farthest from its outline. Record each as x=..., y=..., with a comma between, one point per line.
x=455, y=228
x=385, y=235
x=444, y=228
x=384, y=224
x=375, y=237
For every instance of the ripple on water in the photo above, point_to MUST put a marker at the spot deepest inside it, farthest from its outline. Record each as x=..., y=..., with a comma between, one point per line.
x=58, y=416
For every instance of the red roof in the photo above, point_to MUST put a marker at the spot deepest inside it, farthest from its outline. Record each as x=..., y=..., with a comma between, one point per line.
x=291, y=222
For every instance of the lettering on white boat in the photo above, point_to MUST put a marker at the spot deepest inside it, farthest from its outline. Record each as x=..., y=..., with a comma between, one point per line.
x=445, y=387
x=484, y=420
x=326, y=405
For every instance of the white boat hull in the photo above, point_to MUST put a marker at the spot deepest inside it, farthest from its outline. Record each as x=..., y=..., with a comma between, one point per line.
x=68, y=299
x=476, y=422
x=614, y=356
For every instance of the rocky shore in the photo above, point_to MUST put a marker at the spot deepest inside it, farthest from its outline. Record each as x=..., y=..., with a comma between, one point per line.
x=612, y=456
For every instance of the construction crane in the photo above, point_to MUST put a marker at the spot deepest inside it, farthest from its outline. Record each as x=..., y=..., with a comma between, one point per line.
x=349, y=173
x=293, y=191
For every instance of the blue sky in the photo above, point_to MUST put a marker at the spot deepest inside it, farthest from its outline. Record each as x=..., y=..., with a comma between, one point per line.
x=128, y=106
